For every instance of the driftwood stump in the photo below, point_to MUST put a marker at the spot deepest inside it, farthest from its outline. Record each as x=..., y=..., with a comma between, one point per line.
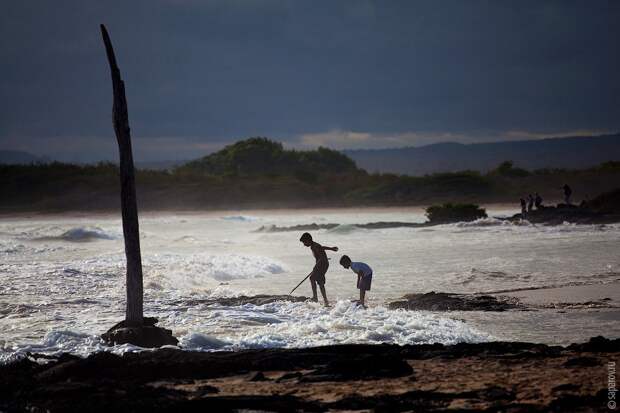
x=133, y=329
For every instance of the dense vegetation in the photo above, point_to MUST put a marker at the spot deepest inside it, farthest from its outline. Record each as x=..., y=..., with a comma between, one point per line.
x=449, y=212
x=263, y=157
x=260, y=173
x=606, y=203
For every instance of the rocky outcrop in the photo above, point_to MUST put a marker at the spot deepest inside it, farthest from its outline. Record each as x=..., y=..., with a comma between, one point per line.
x=454, y=302
x=567, y=213
x=370, y=225
x=259, y=299
x=433, y=378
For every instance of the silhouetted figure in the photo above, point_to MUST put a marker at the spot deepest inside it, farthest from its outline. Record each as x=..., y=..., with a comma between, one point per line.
x=320, y=267
x=530, y=203
x=567, y=193
x=523, y=209
x=538, y=201
x=364, y=275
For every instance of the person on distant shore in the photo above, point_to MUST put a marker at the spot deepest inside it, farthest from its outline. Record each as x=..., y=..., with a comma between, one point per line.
x=530, y=203
x=567, y=193
x=364, y=275
x=523, y=209
x=320, y=267
x=538, y=201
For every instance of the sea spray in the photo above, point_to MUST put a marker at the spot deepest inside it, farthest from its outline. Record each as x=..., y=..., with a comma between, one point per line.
x=286, y=324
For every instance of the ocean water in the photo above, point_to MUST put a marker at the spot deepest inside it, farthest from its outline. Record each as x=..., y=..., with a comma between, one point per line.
x=63, y=279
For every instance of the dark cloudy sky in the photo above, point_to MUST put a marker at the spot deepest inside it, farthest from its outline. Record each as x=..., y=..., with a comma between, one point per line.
x=346, y=74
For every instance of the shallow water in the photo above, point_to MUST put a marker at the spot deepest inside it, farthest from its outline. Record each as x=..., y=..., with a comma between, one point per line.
x=63, y=278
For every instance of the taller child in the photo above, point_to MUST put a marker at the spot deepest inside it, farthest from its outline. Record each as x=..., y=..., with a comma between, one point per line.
x=320, y=267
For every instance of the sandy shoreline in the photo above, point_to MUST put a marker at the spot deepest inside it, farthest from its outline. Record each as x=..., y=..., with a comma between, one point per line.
x=500, y=376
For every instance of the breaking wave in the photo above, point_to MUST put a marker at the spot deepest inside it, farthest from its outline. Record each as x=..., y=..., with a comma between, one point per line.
x=57, y=342
x=240, y=218
x=225, y=267
x=491, y=222
x=276, y=325
x=287, y=324
x=82, y=234
x=345, y=229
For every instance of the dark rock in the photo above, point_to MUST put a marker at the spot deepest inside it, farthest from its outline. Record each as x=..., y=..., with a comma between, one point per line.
x=575, y=403
x=581, y=362
x=452, y=302
x=491, y=393
x=567, y=213
x=362, y=368
x=259, y=376
x=289, y=376
x=383, y=225
x=369, y=225
x=566, y=387
x=299, y=228
x=146, y=321
x=147, y=335
x=260, y=299
x=207, y=389
x=412, y=401
x=598, y=344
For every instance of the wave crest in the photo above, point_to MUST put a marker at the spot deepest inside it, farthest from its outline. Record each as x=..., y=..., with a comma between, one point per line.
x=81, y=234
x=240, y=218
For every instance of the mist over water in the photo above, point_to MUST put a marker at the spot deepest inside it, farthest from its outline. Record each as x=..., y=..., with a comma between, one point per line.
x=63, y=277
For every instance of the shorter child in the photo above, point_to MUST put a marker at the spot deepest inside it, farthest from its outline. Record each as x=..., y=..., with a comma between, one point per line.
x=364, y=275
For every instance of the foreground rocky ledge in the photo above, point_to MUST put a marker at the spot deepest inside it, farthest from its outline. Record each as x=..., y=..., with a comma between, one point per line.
x=500, y=376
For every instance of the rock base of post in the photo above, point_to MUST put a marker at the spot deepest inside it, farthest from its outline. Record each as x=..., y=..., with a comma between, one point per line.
x=147, y=335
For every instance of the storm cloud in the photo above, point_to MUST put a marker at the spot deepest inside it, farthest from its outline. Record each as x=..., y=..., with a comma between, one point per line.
x=200, y=74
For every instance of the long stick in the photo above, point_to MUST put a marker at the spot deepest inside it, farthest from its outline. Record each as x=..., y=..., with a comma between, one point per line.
x=302, y=281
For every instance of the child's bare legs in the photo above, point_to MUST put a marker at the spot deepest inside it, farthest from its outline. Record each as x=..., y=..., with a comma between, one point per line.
x=323, y=293
x=362, y=296
x=313, y=285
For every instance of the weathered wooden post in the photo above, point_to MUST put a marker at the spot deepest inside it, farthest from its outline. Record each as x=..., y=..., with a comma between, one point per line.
x=135, y=328
x=129, y=207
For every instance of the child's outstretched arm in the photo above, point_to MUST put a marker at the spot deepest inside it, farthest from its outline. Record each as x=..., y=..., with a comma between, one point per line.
x=330, y=248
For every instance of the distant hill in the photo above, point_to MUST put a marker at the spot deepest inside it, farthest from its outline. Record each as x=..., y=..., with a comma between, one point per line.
x=19, y=157
x=259, y=173
x=263, y=157
x=571, y=153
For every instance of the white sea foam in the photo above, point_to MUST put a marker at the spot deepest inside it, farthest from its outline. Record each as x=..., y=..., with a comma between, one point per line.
x=57, y=342
x=285, y=324
x=491, y=222
x=11, y=248
x=278, y=324
x=482, y=222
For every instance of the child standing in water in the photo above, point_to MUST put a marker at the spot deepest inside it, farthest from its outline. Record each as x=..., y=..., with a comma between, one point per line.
x=320, y=267
x=364, y=275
